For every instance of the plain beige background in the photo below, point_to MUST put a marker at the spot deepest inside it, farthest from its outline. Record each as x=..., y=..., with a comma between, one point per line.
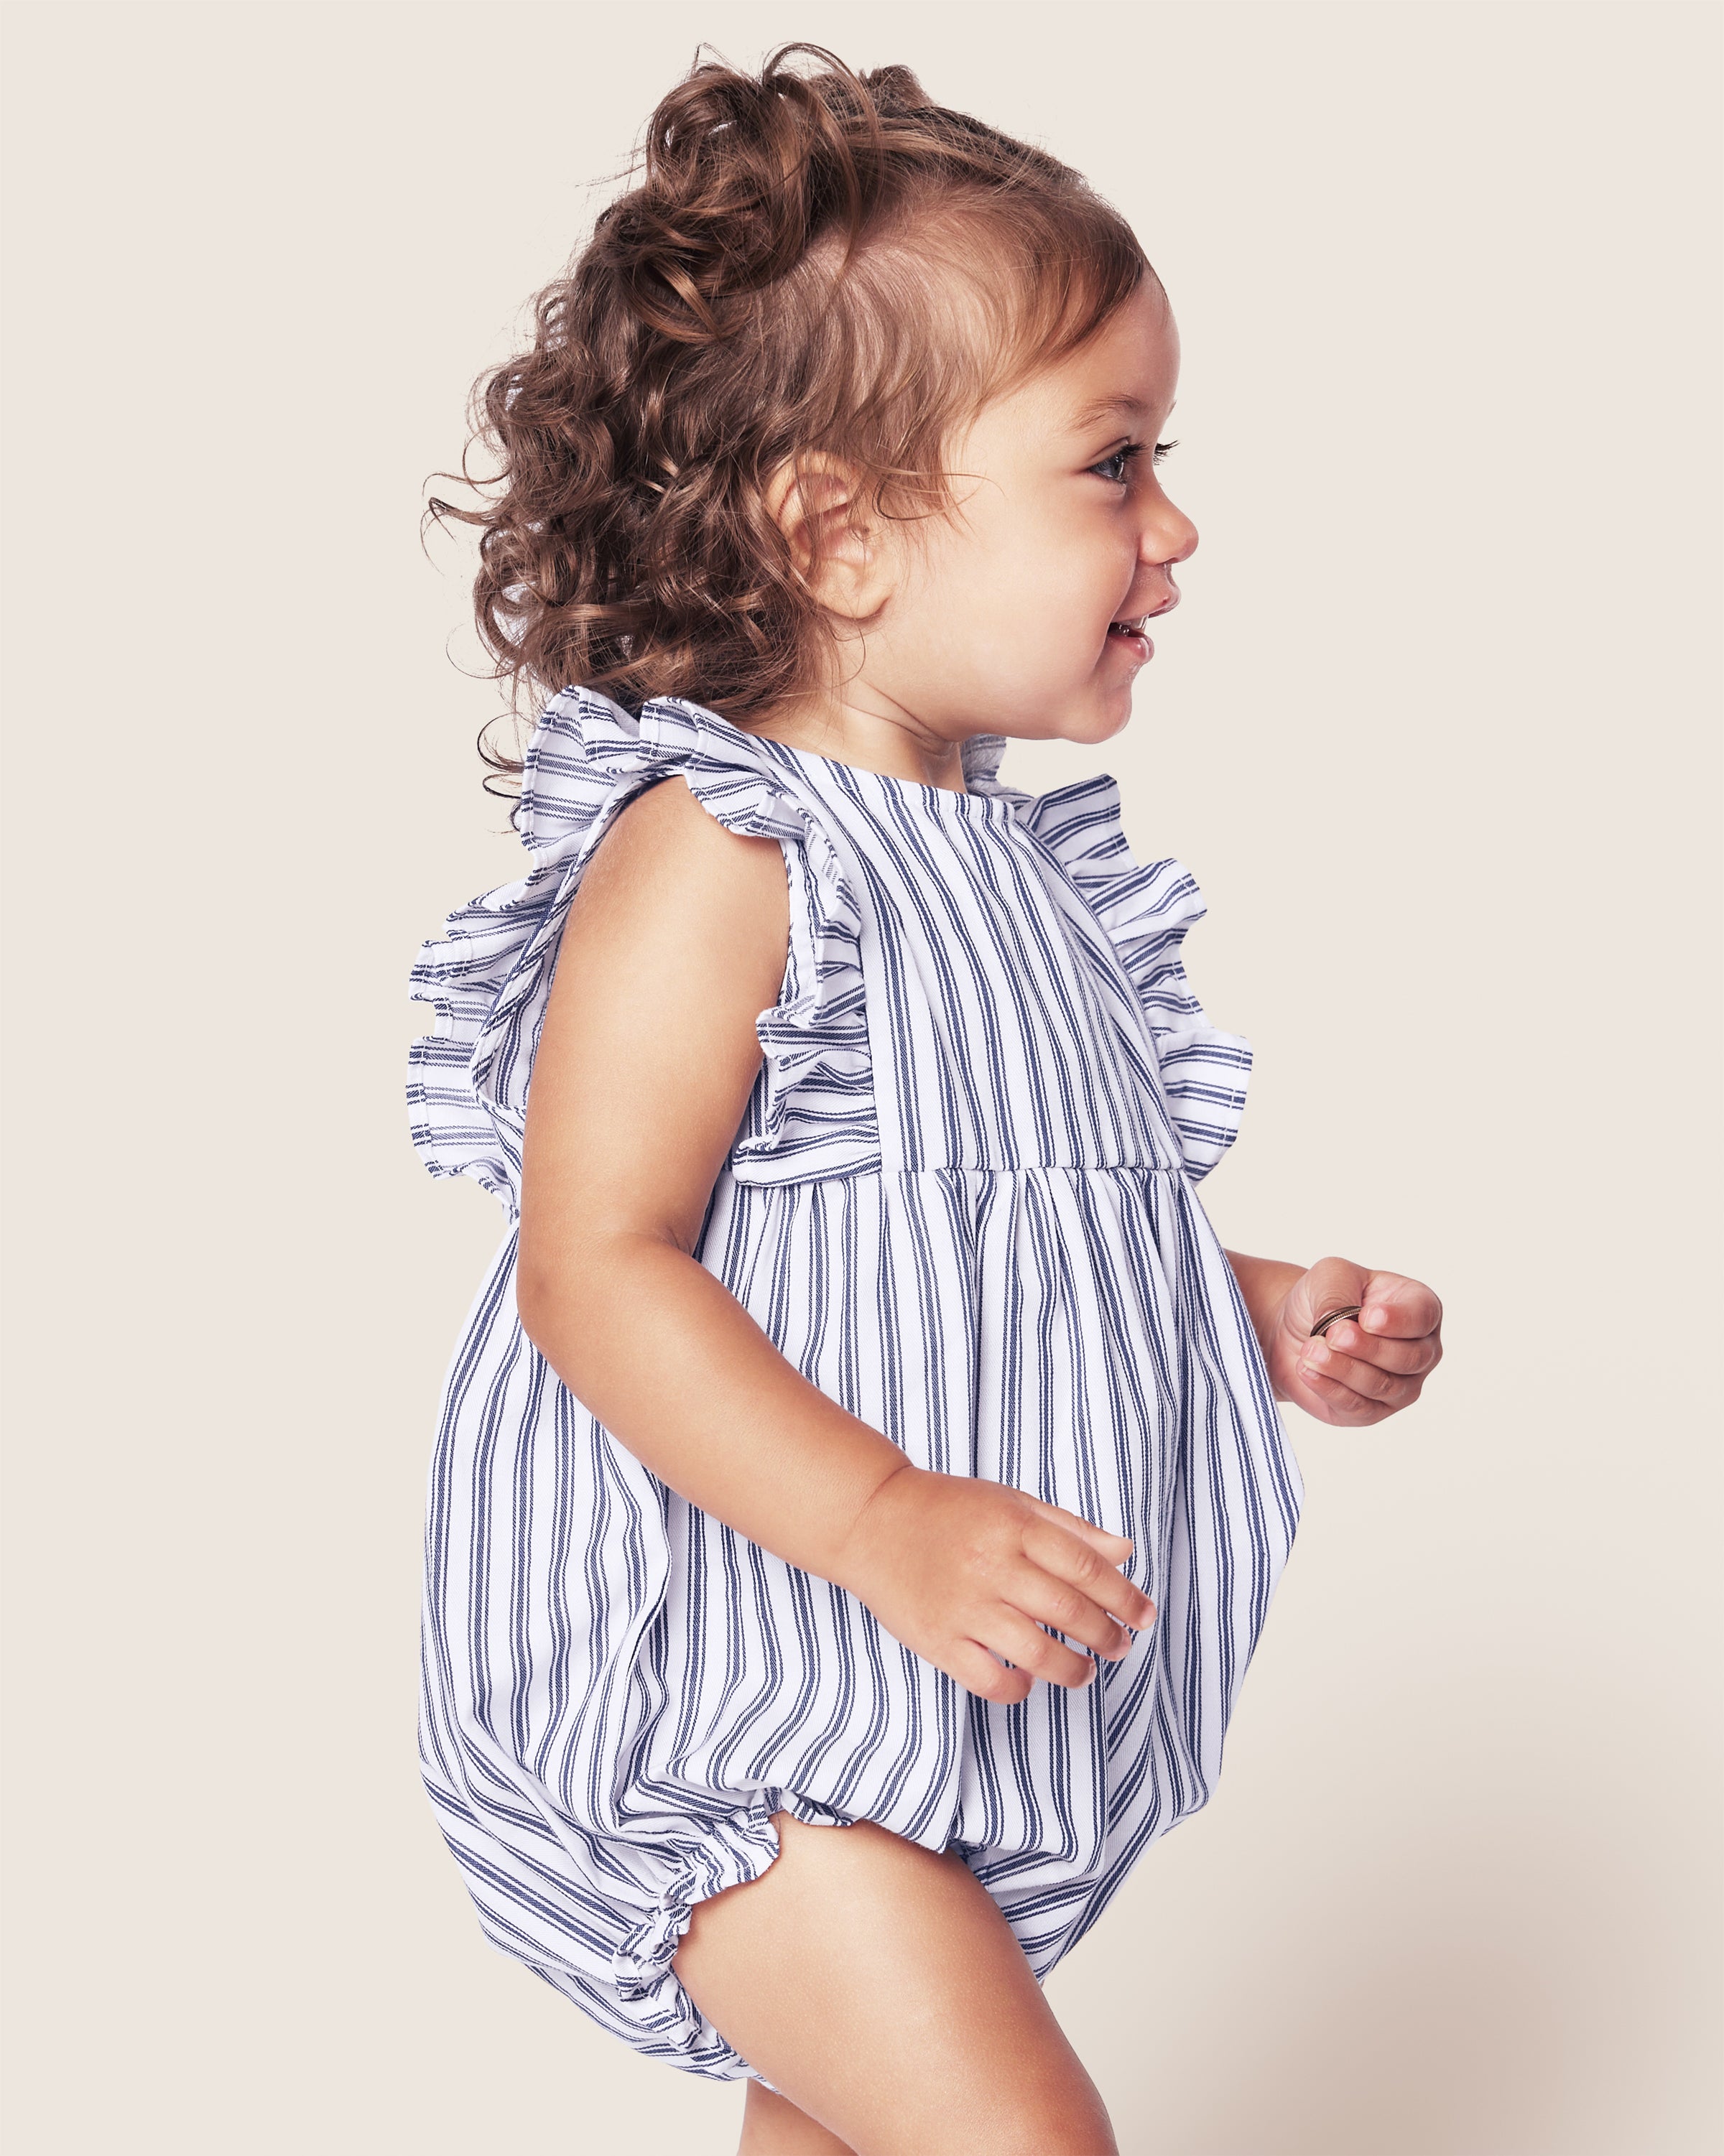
x=1434, y=730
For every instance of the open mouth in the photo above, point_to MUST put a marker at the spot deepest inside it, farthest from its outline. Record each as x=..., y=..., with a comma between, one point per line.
x=1128, y=628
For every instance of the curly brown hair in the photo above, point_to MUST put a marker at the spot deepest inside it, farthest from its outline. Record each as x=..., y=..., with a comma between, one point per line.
x=814, y=262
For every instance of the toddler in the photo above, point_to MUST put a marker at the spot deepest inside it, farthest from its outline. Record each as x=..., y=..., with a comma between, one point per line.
x=861, y=1484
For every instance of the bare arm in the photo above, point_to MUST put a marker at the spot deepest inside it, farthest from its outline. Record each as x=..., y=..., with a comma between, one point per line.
x=1265, y=1284
x=676, y=940
x=678, y=937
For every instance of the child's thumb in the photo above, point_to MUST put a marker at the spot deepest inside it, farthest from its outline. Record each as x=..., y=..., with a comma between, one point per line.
x=1331, y=1284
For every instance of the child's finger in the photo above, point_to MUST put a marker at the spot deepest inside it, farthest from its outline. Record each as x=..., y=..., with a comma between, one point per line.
x=1049, y=1545
x=1374, y=1387
x=1406, y=1358
x=1116, y=1548
x=1397, y=1308
x=1026, y=1647
x=1343, y=1405
x=976, y=1669
x=1054, y=1602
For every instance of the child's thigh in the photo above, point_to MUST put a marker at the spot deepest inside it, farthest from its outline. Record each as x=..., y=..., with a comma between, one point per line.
x=878, y=1986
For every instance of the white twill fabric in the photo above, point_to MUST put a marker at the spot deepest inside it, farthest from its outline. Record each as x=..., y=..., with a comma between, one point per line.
x=961, y=1202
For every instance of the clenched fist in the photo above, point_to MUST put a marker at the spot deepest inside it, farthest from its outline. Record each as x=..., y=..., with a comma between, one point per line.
x=1364, y=1367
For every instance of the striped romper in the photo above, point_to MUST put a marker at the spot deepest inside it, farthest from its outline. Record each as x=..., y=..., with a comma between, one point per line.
x=959, y=1201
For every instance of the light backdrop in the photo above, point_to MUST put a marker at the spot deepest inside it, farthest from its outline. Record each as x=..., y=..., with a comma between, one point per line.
x=1446, y=281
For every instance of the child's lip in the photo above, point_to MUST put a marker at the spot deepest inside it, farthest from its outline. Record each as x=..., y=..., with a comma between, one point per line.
x=1139, y=634
x=1142, y=614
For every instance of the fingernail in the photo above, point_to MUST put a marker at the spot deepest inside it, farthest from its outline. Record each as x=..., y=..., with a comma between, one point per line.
x=1318, y=1352
x=1374, y=1316
x=1306, y=1371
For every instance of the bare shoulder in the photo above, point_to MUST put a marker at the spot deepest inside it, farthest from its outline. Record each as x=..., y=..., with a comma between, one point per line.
x=670, y=886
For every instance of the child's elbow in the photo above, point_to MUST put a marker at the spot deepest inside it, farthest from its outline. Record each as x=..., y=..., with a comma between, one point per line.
x=547, y=1295
x=561, y=1285
x=532, y=1303
x=580, y=1274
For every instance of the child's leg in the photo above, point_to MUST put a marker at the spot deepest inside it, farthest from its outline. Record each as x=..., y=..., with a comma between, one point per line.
x=879, y=1988
x=772, y=2126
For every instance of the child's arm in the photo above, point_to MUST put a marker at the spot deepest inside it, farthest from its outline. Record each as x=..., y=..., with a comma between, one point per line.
x=676, y=941
x=1362, y=1368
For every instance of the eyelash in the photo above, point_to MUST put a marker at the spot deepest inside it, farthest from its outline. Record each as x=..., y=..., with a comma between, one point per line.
x=1132, y=449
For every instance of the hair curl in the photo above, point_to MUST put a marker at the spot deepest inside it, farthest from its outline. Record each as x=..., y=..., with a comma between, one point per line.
x=813, y=262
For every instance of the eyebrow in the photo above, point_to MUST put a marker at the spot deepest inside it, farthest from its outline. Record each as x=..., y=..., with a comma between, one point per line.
x=1092, y=414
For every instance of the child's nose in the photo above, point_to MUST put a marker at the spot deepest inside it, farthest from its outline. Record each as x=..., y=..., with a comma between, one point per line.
x=1170, y=537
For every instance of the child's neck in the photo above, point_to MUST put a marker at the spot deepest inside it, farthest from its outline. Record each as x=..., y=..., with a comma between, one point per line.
x=866, y=728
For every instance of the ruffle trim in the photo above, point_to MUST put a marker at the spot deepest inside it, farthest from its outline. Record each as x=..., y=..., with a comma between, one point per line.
x=1146, y=908
x=487, y=978
x=731, y=1851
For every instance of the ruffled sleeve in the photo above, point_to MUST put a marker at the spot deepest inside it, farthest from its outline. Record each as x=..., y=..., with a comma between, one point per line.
x=488, y=975
x=1146, y=909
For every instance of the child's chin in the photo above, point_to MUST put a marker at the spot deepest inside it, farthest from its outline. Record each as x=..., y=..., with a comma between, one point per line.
x=1102, y=725
x=1116, y=699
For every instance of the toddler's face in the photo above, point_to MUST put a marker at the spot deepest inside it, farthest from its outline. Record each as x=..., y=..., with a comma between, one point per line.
x=1001, y=621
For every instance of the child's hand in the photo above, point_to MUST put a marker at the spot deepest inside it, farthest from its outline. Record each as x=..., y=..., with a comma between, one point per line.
x=1364, y=1367
x=953, y=1567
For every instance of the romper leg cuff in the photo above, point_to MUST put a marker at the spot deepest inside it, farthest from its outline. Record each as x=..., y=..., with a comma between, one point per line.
x=734, y=1850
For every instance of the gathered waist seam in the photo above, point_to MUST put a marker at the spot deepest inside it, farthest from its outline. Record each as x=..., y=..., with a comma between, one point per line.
x=885, y=1170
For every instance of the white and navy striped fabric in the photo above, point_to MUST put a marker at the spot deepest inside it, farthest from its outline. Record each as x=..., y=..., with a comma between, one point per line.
x=961, y=1201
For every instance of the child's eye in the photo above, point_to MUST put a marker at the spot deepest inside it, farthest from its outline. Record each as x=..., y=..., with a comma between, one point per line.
x=1124, y=456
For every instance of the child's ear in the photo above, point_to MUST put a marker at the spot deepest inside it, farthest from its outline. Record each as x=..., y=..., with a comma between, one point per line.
x=837, y=545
